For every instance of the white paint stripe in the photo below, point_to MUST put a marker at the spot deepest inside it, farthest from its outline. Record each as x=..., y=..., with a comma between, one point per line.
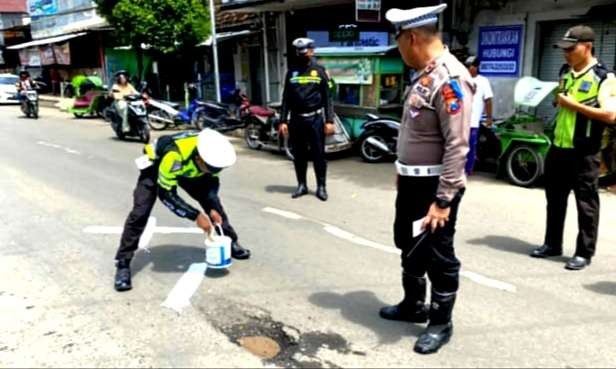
x=283, y=213
x=55, y=146
x=341, y=233
x=185, y=288
x=161, y=230
x=488, y=282
x=147, y=234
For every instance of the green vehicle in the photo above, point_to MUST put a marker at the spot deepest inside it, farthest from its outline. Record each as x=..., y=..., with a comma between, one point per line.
x=89, y=96
x=519, y=144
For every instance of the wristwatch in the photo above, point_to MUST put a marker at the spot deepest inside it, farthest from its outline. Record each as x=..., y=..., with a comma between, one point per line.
x=442, y=203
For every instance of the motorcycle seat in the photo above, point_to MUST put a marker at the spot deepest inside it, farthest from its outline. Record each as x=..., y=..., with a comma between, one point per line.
x=261, y=111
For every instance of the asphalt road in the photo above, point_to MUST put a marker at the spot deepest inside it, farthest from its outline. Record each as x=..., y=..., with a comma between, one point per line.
x=319, y=272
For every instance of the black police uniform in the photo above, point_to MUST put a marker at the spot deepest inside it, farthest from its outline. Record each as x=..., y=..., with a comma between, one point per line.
x=306, y=95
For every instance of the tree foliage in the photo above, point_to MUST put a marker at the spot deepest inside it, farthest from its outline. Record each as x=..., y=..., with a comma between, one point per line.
x=166, y=25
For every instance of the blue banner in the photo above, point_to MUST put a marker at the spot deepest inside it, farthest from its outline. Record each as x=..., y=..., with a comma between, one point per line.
x=39, y=8
x=499, y=50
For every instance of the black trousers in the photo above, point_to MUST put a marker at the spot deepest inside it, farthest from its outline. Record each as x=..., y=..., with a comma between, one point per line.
x=434, y=254
x=203, y=189
x=308, y=133
x=567, y=170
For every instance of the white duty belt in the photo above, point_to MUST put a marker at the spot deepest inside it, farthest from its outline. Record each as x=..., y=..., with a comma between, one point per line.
x=418, y=170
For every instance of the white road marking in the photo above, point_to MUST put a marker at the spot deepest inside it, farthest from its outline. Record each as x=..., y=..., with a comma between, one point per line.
x=341, y=233
x=488, y=282
x=157, y=229
x=189, y=283
x=59, y=147
x=283, y=213
x=185, y=288
x=147, y=234
x=350, y=237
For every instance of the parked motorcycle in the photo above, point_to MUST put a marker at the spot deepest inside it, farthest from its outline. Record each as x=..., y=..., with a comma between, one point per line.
x=379, y=140
x=162, y=114
x=224, y=117
x=137, y=119
x=261, y=131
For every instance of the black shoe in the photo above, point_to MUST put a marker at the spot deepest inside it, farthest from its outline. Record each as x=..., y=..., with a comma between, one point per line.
x=300, y=191
x=545, y=251
x=433, y=338
x=322, y=193
x=238, y=252
x=123, y=276
x=404, y=313
x=577, y=263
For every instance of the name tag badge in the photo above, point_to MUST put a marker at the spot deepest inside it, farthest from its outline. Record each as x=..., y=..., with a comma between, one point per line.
x=585, y=87
x=143, y=162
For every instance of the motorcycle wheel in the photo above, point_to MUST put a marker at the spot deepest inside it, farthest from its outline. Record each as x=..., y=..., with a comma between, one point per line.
x=524, y=166
x=78, y=115
x=144, y=133
x=251, y=136
x=35, y=112
x=158, y=124
x=369, y=153
x=201, y=122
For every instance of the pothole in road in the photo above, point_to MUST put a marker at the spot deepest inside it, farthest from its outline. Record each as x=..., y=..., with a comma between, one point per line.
x=254, y=330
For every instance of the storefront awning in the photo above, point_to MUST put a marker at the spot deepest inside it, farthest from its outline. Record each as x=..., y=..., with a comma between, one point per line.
x=225, y=36
x=355, y=50
x=46, y=41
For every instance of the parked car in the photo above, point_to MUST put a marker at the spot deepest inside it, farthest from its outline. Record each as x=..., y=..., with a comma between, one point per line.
x=8, y=90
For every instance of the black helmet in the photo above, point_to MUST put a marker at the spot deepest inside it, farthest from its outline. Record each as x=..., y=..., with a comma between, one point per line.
x=24, y=73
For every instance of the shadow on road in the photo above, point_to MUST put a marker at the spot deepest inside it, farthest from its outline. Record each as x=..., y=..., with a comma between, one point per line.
x=168, y=258
x=362, y=308
x=605, y=288
x=510, y=244
x=280, y=189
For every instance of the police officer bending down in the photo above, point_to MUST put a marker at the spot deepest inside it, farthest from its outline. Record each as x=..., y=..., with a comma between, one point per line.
x=306, y=95
x=193, y=162
x=432, y=149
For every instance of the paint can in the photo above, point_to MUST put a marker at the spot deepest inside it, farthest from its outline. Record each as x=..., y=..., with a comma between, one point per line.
x=218, y=250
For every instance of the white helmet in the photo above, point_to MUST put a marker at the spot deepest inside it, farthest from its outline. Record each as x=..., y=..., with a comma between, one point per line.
x=215, y=149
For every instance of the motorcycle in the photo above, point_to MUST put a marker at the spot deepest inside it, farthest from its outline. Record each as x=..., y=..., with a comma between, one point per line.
x=223, y=117
x=162, y=114
x=137, y=119
x=379, y=140
x=30, y=103
x=261, y=131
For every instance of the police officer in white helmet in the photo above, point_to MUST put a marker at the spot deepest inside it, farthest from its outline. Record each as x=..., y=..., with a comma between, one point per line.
x=192, y=161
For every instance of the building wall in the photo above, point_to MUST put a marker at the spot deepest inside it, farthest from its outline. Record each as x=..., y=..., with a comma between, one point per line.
x=531, y=14
x=71, y=16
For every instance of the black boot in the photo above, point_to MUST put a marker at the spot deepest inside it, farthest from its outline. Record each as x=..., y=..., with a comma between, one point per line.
x=238, y=252
x=440, y=328
x=321, y=191
x=412, y=308
x=301, y=190
x=123, y=277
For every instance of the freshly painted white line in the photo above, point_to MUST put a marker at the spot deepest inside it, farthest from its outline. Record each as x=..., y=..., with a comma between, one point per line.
x=283, y=213
x=341, y=233
x=350, y=237
x=59, y=147
x=185, y=288
x=147, y=234
x=160, y=230
x=488, y=282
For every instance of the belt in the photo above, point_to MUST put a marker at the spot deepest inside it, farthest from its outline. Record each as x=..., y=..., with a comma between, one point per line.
x=310, y=114
x=419, y=170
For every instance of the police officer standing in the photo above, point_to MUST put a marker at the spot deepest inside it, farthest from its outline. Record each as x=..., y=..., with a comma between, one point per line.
x=306, y=96
x=188, y=160
x=587, y=101
x=432, y=149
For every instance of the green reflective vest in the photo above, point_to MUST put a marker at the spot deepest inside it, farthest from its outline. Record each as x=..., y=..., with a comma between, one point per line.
x=574, y=130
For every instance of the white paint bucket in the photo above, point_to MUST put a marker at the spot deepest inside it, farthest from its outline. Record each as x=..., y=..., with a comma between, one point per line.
x=218, y=250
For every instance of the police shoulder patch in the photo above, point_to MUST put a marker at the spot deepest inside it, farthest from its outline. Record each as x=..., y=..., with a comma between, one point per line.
x=452, y=97
x=314, y=73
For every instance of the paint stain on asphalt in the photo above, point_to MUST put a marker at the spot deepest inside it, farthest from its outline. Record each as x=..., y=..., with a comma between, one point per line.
x=278, y=344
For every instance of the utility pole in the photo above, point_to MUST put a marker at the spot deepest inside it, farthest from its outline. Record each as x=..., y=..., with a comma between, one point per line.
x=215, y=51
